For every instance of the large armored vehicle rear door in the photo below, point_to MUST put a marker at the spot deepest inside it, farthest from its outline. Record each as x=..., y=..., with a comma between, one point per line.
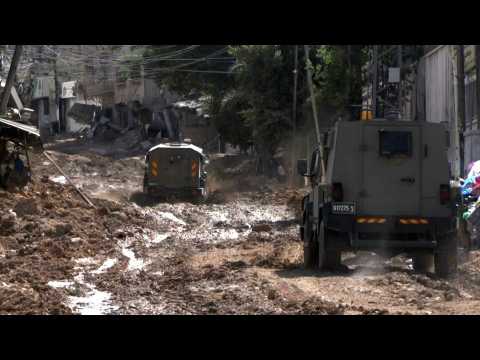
x=175, y=168
x=391, y=169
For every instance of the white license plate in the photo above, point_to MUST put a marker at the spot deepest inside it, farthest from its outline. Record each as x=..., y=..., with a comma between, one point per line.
x=343, y=208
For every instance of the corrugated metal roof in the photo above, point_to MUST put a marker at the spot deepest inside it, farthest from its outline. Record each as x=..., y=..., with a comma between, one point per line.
x=21, y=132
x=27, y=128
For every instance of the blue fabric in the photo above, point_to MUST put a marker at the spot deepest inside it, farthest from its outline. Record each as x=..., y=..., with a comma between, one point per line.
x=467, y=191
x=468, y=185
x=19, y=167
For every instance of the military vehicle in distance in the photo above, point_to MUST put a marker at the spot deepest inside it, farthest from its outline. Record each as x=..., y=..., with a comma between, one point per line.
x=176, y=169
x=386, y=189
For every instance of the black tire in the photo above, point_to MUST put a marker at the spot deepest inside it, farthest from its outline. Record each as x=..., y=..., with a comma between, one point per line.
x=200, y=199
x=423, y=263
x=310, y=253
x=333, y=260
x=328, y=259
x=310, y=245
x=446, y=256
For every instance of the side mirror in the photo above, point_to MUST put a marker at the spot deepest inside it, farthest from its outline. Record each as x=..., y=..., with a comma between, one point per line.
x=302, y=167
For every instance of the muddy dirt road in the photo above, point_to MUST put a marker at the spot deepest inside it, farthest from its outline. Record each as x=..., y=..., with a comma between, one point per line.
x=237, y=254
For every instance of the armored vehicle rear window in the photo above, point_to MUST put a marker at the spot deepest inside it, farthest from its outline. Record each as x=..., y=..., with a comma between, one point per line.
x=395, y=143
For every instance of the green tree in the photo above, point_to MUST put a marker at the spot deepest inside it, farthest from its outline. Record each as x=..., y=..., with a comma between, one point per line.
x=338, y=75
x=249, y=88
x=264, y=76
x=190, y=70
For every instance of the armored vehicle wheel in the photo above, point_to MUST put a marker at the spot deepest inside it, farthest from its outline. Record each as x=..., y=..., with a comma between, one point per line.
x=423, y=263
x=328, y=259
x=310, y=253
x=333, y=260
x=446, y=261
x=199, y=199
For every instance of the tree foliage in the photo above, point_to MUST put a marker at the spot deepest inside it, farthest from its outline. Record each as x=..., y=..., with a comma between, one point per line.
x=264, y=75
x=250, y=87
x=190, y=70
x=338, y=74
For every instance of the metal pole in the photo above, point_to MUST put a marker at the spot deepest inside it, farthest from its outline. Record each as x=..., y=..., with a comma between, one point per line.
x=477, y=73
x=375, y=80
x=294, y=114
x=314, y=108
x=461, y=105
x=295, y=85
x=461, y=135
x=312, y=93
x=348, y=90
x=83, y=195
x=400, y=64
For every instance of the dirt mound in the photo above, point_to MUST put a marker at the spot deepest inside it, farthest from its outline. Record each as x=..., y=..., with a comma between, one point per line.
x=43, y=230
x=24, y=299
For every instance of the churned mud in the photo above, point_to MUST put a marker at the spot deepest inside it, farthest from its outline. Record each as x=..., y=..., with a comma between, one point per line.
x=238, y=253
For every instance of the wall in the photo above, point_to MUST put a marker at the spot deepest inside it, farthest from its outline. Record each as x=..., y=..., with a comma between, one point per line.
x=130, y=90
x=440, y=97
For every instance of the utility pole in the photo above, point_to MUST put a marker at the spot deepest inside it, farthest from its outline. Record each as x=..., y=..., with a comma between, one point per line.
x=461, y=105
x=400, y=64
x=375, y=81
x=294, y=114
x=348, y=83
x=295, y=86
x=10, y=79
x=464, y=236
x=314, y=108
x=477, y=73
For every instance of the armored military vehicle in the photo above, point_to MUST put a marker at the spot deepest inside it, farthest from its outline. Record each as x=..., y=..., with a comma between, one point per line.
x=176, y=169
x=386, y=189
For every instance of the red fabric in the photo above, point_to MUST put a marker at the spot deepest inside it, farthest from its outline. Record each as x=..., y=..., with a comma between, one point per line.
x=476, y=187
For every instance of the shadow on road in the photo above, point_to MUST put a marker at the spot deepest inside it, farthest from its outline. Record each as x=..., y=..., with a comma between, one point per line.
x=344, y=271
x=143, y=200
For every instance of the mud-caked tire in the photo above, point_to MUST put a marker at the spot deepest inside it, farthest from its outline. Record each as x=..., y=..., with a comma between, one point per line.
x=446, y=256
x=310, y=253
x=310, y=244
x=328, y=258
x=423, y=263
x=333, y=260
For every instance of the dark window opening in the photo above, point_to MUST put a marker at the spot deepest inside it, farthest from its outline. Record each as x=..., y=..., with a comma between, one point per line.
x=46, y=107
x=395, y=143
x=109, y=113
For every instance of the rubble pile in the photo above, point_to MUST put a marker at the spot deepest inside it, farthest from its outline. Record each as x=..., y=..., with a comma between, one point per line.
x=241, y=255
x=43, y=229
